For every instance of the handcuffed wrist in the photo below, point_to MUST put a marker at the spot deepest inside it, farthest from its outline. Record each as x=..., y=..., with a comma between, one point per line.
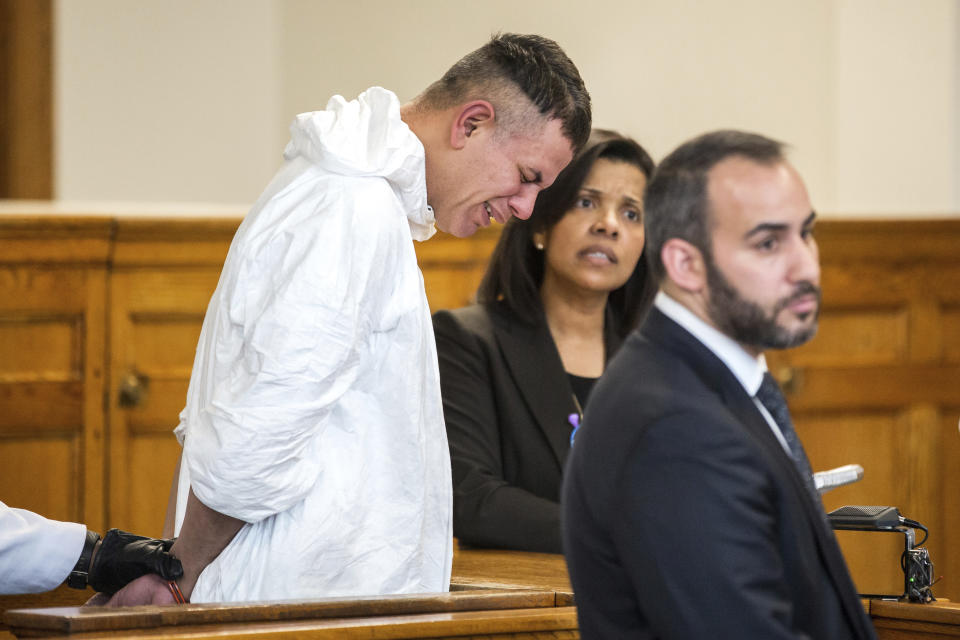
x=80, y=575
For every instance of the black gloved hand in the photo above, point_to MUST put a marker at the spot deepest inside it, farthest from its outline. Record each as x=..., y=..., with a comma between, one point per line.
x=123, y=557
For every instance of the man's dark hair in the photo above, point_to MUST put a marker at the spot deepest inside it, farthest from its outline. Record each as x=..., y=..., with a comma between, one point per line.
x=535, y=65
x=515, y=271
x=676, y=203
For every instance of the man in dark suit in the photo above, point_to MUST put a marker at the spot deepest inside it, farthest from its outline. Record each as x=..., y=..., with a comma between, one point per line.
x=689, y=507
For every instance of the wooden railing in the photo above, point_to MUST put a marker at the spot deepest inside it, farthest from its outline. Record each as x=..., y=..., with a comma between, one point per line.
x=495, y=594
x=100, y=314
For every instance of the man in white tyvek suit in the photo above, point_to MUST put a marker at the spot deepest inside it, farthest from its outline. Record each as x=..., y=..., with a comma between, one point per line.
x=315, y=459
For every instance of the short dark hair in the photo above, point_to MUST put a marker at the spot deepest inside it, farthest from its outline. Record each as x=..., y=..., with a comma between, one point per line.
x=676, y=204
x=515, y=271
x=535, y=65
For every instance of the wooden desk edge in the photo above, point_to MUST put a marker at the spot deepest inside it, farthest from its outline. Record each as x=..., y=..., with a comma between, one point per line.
x=422, y=625
x=939, y=612
x=73, y=620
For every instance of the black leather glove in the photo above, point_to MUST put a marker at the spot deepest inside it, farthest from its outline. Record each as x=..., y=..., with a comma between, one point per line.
x=124, y=557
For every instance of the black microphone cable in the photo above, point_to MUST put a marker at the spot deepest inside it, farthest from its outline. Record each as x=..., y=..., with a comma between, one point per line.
x=913, y=524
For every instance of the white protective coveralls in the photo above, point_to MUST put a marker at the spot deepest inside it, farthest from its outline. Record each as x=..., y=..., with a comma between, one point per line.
x=36, y=554
x=314, y=409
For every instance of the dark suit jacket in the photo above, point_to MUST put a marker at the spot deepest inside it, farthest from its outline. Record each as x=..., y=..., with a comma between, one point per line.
x=506, y=402
x=685, y=518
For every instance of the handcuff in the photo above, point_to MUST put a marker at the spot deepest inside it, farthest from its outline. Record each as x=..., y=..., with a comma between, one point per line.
x=175, y=591
x=80, y=575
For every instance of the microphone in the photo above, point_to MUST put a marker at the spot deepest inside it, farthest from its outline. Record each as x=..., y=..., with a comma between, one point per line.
x=826, y=480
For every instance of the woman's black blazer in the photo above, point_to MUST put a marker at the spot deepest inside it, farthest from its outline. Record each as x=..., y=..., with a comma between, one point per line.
x=506, y=402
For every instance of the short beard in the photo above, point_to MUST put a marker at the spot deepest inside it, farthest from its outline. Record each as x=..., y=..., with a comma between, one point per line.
x=746, y=322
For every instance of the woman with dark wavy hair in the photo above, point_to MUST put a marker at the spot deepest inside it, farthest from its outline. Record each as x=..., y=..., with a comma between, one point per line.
x=561, y=292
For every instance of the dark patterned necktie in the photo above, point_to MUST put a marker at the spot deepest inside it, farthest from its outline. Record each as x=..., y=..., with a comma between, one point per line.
x=772, y=399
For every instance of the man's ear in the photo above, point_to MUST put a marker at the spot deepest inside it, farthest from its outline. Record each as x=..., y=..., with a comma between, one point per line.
x=470, y=117
x=684, y=265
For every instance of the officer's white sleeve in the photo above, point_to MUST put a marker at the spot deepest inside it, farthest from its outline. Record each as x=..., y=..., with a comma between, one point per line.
x=36, y=554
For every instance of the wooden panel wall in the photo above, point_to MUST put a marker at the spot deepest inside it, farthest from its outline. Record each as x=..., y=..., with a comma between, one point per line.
x=53, y=282
x=880, y=384
x=452, y=267
x=92, y=309
x=163, y=274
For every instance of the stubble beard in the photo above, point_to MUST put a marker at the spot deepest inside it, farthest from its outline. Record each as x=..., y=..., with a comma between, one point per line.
x=747, y=323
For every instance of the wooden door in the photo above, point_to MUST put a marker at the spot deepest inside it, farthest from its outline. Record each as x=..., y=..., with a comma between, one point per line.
x=163, y=276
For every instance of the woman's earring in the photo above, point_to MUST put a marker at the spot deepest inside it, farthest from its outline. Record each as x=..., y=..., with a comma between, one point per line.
x=539, y=246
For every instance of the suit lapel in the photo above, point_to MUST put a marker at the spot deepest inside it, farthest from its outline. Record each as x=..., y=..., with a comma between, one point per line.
x=742, y=406
x=717, y=376
x=534, y=364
